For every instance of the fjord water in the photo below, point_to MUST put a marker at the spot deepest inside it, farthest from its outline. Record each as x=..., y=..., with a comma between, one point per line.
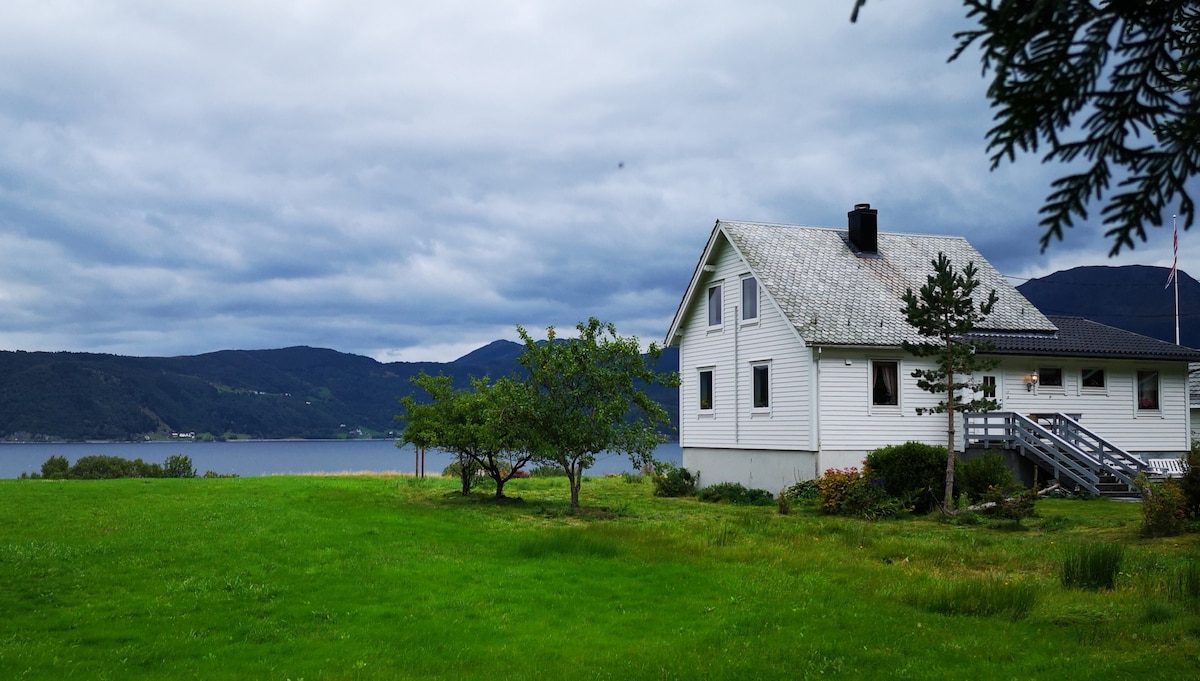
x=275, y=457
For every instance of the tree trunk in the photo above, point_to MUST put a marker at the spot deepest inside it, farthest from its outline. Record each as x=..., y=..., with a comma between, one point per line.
x=500, y=480
x=575, y=477
x=948, y=500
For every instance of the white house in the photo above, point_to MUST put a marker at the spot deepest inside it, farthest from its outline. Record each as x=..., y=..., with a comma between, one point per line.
x=790, y=358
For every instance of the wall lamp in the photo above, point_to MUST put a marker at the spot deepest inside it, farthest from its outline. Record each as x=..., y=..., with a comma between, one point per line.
x=1031, y=381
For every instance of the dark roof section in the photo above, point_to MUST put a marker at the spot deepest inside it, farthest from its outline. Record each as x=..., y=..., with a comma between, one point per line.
x=1078, y=337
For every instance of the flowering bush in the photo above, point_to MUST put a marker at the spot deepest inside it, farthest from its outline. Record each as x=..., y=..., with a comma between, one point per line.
x=833, y=486
x=848, y=491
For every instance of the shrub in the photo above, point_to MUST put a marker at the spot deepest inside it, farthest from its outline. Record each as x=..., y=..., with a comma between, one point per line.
x=1163, y=508
x=98, y=467
x=56, y=468
x=1011, y=503
x=674, y=481
x=1091, y=566
x=736, y=493
x=913, y=472
x=975, y=477
x=783, y=503
x=1189, y=484
x=547, y=471
x=214, y=474
x=143, y=469
x=832, y=487
x=178, y=466
x=867, y=498
x=804, y=490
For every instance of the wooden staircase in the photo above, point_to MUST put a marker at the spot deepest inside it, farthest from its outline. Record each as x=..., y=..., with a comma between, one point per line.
x=1078, y=457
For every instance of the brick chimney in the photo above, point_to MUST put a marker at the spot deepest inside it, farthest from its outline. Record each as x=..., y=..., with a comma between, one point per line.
x=864, y=228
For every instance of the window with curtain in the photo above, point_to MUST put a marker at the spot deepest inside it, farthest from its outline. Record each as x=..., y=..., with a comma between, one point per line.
x=885, y=384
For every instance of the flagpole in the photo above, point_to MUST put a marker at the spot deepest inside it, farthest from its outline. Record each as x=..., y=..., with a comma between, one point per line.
x=1175, y=268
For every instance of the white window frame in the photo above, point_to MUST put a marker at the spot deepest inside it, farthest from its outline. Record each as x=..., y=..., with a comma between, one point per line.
x=746, y=319
x=1156, y=410
x=1093, y=390
x=983, y=392
x=755, y=367
x=899, y=388
x=712, y=389
x=1060, y=389
x=715, y=291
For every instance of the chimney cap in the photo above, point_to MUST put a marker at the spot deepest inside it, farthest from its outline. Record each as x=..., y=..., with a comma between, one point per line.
x=862, y=206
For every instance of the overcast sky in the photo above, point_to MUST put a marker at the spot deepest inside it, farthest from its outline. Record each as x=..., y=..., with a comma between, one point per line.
x=411, y=180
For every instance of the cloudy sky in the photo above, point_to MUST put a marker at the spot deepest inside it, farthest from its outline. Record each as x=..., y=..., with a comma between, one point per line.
x=411, y=180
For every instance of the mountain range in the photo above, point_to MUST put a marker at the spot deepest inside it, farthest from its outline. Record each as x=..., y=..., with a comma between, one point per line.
x=297, y=392
x=304, y=392
x=1132, y=297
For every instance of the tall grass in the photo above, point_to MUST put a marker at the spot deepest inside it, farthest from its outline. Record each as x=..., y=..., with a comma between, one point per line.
x=1184, y=584
x=988, y=596
x=1091, y=566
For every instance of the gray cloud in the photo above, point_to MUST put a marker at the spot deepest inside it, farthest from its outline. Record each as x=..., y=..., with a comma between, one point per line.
x=412, y=180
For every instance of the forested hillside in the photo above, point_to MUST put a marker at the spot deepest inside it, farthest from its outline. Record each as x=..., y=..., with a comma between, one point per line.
x=293, y=392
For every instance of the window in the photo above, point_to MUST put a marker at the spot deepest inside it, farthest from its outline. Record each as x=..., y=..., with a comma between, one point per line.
x=762, y=386
x=706, y=389
x=1050, y=377
x=988, y=385
x=714, y=305
x=1092, y=380
x=885, y=388
x=1147, y=390
x=749, y=299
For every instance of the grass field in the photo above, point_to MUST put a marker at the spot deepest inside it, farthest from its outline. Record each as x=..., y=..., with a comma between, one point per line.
x=363, y=577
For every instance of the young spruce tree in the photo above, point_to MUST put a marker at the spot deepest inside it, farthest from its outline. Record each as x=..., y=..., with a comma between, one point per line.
x=943, y=311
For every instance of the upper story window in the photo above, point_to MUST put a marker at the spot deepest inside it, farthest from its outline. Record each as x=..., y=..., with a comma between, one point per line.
x=1092, y=380
x=714, y=305
x=885, y=383
x=762, y=385
x=706, y=389
x=749, y=299
x=1147, y=390
x=1050, y=378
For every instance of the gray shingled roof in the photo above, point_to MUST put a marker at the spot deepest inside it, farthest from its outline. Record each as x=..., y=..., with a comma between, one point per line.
x=1078, y=337
x=835, y=296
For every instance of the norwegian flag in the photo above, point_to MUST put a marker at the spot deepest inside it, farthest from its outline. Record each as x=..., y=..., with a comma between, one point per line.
x=1175, y=263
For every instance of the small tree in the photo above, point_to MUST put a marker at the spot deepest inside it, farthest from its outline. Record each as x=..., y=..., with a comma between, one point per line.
x=507, y=408
x=436, y=423
x=590, y=398
x=485, y=427
x=943, y=312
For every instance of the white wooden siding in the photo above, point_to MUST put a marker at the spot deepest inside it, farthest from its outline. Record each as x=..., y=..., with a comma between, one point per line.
x=730, y=352
x=1113, y=415
x=848, y=420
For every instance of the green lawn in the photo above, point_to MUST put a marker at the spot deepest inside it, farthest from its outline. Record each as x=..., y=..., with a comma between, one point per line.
x=370, y=577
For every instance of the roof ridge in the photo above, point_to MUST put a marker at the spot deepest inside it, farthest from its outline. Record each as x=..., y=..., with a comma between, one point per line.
x=841, y=230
